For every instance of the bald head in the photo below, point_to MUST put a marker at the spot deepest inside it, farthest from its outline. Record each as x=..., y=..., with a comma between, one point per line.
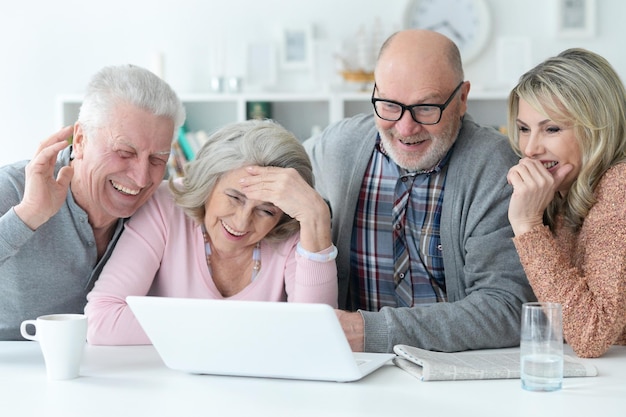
x=419, y=68
x=422, y=53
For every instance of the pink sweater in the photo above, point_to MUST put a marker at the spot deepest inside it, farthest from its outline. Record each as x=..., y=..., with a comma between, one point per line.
x=161, y=253
x=586, y=271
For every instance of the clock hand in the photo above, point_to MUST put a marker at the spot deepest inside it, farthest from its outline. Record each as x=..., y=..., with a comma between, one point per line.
x=445, y=24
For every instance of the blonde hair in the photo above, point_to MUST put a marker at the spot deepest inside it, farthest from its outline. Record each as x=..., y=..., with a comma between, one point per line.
x=579, y=88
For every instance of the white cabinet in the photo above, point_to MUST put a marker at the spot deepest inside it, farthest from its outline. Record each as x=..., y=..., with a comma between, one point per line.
x=300, y=113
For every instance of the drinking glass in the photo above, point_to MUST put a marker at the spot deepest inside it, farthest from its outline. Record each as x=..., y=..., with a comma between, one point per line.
x=541, y=347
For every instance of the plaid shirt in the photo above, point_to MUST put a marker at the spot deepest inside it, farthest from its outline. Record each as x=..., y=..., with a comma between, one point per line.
x=372, y=246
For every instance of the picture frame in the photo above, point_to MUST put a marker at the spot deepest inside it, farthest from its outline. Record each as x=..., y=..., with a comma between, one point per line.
x=576, y=18
x=296, y=49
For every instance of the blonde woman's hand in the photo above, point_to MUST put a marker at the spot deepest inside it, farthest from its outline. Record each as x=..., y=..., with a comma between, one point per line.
x=534, y=188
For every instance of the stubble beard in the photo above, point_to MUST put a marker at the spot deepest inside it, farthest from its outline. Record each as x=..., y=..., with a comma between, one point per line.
x=437, y=147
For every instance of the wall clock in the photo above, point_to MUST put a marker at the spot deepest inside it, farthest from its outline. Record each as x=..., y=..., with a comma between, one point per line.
x=466, y=22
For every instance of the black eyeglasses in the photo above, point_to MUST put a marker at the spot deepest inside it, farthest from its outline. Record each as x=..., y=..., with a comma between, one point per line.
x=425, y=114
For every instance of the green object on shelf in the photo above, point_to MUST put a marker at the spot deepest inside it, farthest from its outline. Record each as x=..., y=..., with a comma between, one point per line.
x=259, y=110
x=184, y=144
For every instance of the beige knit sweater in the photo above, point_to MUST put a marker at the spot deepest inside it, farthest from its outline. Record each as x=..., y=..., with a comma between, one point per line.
x=585, y=271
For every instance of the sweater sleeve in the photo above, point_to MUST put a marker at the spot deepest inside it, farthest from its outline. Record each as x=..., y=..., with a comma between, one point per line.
x=130, y=271
x=589, y=280
x=308, y=280
x=15, y=233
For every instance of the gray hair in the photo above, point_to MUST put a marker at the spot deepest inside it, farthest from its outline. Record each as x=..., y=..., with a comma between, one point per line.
x=252, y=142
x=128, y=84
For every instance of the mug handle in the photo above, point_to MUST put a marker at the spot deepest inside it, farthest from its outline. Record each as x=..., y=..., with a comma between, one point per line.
x=25, y=334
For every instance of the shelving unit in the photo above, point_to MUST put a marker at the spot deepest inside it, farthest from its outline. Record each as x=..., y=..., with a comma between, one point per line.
x=300, y=113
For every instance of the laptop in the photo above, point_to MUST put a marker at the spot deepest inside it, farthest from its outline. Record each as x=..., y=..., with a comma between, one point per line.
x=252, y=338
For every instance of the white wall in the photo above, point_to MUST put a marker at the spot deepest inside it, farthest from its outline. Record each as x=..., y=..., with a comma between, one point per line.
x=51, y=48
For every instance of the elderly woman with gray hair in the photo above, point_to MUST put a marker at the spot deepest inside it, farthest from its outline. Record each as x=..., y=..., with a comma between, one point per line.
x=245, y=223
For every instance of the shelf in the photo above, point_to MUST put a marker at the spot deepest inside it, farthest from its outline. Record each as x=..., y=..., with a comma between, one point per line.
x=301, y=113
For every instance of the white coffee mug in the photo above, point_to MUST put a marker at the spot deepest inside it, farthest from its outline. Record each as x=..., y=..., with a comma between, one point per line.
x=62, y=338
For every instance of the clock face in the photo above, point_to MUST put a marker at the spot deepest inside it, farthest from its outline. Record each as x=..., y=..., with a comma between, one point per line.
x=466, y=22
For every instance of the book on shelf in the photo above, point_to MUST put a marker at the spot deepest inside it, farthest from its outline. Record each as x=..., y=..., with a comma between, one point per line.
x=475, y=364
x=195, y=140
x=176, y=162
x=184, y=150
x=184, y=144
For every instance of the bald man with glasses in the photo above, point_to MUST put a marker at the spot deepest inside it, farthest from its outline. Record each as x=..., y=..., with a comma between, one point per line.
x=419, y=200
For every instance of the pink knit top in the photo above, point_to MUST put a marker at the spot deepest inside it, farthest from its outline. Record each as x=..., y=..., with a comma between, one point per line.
x=585, y=271
x=162, y=253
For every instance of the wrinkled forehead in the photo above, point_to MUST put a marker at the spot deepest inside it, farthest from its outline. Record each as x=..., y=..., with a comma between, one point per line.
x=142, y=136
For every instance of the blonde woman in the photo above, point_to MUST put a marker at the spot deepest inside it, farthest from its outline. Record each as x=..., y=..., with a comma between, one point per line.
x=567, y=119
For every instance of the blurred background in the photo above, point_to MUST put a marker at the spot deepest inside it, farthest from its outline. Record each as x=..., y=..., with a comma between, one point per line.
x=50, y=49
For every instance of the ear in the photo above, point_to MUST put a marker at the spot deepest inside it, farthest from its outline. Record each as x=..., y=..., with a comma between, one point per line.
x=465, y=89
x=78, y=141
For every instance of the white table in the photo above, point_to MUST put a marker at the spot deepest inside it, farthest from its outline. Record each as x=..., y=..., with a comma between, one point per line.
x=132, y=381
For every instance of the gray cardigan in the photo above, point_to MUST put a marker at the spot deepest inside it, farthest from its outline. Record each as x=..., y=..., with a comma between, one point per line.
x=485, y=282
x=49, y=270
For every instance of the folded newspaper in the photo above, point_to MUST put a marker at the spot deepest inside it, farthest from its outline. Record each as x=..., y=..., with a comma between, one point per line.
x=477, y=364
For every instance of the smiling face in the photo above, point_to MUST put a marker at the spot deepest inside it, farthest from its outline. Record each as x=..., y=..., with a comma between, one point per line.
x=119, y=166
x=234, y=222
x=414, y=70
x=414, y=146
x=552, y=143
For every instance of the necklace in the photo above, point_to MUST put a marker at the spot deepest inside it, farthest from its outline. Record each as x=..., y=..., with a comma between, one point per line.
x=256, y=255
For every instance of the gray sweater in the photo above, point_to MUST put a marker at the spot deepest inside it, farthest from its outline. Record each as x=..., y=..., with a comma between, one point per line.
x=485, y=282
x=49, y=270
